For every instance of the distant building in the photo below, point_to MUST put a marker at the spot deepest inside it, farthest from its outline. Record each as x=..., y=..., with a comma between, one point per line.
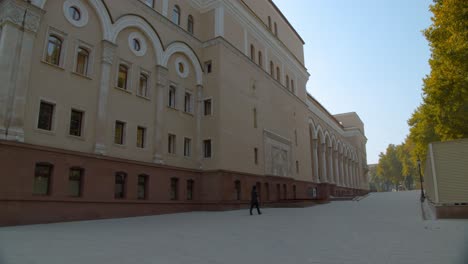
x=124, y=108
x=446, y=178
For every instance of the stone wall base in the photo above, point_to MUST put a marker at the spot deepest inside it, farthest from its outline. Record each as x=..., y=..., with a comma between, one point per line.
x=213, y=190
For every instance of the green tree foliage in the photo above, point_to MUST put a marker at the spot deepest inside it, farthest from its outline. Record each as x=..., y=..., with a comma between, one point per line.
x=389, y=166
x=443, y=115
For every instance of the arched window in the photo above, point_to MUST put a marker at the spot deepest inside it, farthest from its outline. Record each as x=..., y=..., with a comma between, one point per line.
x=272, y=69
x=278, y=74
x=176, y=15
x=293, y=90
x=142, y=192
x=252, y=52
x=276, y=30
x=287, y=81
x=54, y=50
x=190, y=189
x=260, y=59
x=123, y=77
x=82, y=59
x=190, y=24
x=269, y=23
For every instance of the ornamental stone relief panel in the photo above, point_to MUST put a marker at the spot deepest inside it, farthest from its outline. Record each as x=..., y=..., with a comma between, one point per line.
x=277, y=154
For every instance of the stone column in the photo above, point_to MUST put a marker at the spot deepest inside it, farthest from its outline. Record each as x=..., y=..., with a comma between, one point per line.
x=199, y=124
x=107, y=59
x=162, y=82
x=343, y=182
x=335, y=164
x=20, y=22
x=331, y=176
x=315, y=160
x=324, y=162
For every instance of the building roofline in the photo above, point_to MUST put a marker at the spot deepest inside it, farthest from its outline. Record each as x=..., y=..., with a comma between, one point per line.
x=325, y=110
x=286, y=20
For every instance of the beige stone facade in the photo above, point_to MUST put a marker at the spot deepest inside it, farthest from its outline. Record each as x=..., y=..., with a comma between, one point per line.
x=195, y=85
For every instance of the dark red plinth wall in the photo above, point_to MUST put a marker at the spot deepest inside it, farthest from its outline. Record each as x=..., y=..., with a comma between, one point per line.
x=213, y=190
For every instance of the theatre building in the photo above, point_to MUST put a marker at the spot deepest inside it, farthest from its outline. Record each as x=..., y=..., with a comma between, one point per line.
x=116, y=108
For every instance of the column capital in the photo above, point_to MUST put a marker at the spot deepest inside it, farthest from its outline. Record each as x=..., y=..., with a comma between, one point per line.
x=21, y=14
x=108, y=52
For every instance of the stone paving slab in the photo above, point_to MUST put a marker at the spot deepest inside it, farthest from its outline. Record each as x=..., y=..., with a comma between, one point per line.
x=383, y=228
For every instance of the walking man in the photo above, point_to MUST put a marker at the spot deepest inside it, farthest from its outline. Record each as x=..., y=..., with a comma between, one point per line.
x=254, y=200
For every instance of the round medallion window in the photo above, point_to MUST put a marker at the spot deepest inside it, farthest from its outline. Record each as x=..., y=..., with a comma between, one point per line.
x=182, y=68
x=75, y=13
x=137, y=43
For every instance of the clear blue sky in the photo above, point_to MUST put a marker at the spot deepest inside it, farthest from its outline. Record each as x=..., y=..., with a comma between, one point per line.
x=368, y=57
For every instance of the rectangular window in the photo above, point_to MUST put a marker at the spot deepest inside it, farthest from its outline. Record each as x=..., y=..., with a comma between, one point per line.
x=143, y=86
x=120, y=182
x=174, y=188
x=46, y=113
x=76, y=121
x=82, y=60
x=237, y=186
x=142, y=185
x=256, y=155
x=171, y=144
x=188, y=102
x=119, y=132
x=190, y=190
x=187, y=147
x=207, y=148
x=172, y=97
x=297, y=166
x=141, y=134
x=278, y=192
x=122, y=79
x=208, y=67
x=207, y=107
x=42, y=179
x=75, y=180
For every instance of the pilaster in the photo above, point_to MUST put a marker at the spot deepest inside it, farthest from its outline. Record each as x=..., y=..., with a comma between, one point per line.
x=162, y=82
x=107, y=59
x=19, y=23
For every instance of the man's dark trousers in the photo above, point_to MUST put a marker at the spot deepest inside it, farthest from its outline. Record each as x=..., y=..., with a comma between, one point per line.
x=252, y=204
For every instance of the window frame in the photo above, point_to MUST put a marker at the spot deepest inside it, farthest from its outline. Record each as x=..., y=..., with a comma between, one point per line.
x=190, y=102
x=123, y=135
x=80, y=184
x=210, y=99
x=187, y=147
x=252, y=53
x=49, y=177
x=171, y=144
x=174, y=189
x=143, y=140
x=51, y=119
x=190, y=189
x=172, y=103
x=128, y=81
x=145, y=186
x=260, y=58
x=176, y=11
x=190, y=25
x=82, y=121
x=205, y=152
x=146, y=93
x=62, y=55
x=124, y=185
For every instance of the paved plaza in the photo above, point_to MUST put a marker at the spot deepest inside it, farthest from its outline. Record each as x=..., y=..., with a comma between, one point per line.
x=381, y=228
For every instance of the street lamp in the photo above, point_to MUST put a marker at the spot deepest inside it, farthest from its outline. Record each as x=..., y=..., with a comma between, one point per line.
x=421, y=179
